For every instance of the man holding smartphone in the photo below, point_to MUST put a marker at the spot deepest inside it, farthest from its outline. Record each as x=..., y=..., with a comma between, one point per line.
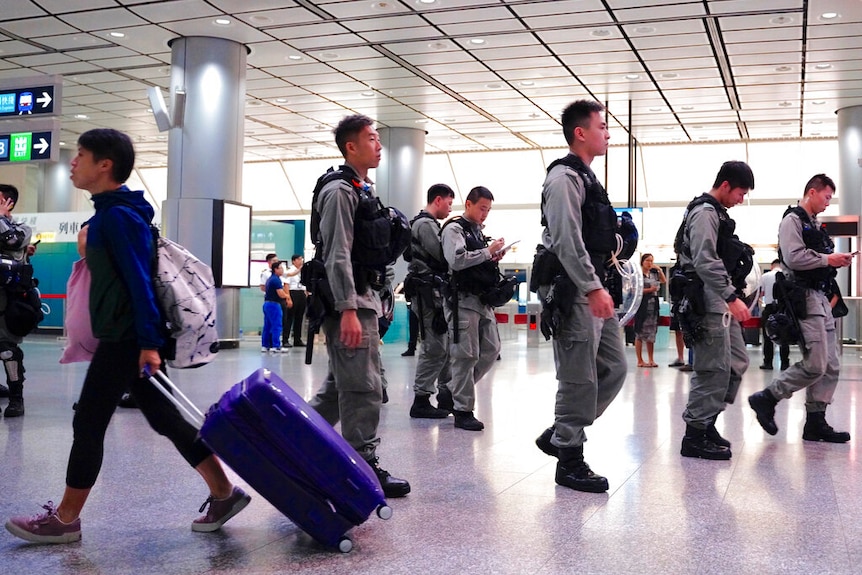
x=808, y=254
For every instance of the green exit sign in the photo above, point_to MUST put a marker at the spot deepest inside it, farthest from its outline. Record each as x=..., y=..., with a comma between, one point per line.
x=19, y=147
x=26, y=146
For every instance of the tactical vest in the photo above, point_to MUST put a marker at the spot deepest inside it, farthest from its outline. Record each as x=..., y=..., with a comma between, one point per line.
x=478, y=279
x=817, y=239
x=417, y=251
x=736, y=255
x=380, y=235
x=598, y=218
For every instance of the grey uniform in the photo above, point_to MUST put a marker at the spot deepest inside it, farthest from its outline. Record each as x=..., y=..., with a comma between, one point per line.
x=588, y=351
x=479, y=342
x=720, y=358
x=10, y=352
x=818, y=370
x=433, y=363
x=352, y=392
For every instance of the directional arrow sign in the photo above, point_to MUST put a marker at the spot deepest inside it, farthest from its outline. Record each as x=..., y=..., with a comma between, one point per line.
x=26, y=101
x=26, y=146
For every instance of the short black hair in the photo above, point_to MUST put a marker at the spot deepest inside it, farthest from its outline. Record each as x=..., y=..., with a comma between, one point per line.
x=109, y=144
x=440, y=191
x=775, y=261
x=737, y=174
x=9, y=192
x=348, y=128
x=274, y=265
x=270, y=256
x=577, y=115
x=479, y=192
x=295, y=257
x=818, y=182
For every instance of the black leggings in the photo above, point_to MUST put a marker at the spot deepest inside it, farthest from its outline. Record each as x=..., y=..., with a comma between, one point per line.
x=114, y=370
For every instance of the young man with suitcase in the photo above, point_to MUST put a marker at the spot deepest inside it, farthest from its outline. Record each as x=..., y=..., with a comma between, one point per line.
x=352, y=391
x=125, y=318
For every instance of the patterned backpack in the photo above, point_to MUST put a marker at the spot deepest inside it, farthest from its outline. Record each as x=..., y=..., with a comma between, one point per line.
x=185, y=291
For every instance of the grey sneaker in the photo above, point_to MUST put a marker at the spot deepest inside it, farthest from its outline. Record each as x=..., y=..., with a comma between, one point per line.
x=45, y=527
x=220, y=510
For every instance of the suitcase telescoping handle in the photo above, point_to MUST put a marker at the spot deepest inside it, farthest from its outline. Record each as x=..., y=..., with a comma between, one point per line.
x=189, y=410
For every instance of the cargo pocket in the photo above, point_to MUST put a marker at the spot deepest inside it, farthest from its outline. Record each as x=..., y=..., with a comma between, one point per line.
x=464, y=348
x=575, y=359
x=353, y=368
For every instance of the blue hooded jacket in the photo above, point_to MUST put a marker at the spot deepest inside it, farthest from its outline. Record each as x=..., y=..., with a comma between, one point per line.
x=120, y=254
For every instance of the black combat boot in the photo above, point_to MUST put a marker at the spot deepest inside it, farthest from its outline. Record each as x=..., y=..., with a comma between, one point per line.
x=816, y=429
x=466, y=420
x=696, y=443
x=543, y=442
x=445, y=400
x=392, y=486
x=422, y=409
x=574, y=473
x=763, y=403
x=713, y=435
x=16, y=400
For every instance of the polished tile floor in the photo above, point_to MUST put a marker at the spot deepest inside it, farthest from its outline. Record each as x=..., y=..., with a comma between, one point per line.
x=482, y=502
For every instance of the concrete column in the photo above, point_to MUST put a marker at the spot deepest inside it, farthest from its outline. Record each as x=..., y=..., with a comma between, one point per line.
x=205, y=152
x=398, y=179
x=850, y=197
x=57, y=194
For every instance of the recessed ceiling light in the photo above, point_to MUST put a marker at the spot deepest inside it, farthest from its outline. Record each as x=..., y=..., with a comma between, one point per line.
x=368, y=94
x=281, y=100
x=601, y=33
x=426, y=1
x=632, y=76
x=81, y=116
x=786, y=123
x=454, y=137
x=816, y=121
x=294, y=57
x=438, y=45
x=688, y=108
x=260, y=19
x=477, y=41
x=783, y=69
x=116, y=35
x=449, y=120
x=62, y=143
x=222, y=21
x=669, y=75
x=494, y=86
x=818, y=102
x=644, y=30
x=669, y=127
x=781, y=20
x=422, y=121
x=830, y=15
x=785, y=104
x=655, y=109
x=823, y=66
x=526, y=83
x=697, y=127
x=329, y=56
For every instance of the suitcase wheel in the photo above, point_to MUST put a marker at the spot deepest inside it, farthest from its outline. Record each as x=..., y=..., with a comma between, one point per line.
x=345, y=545
x=384, y=512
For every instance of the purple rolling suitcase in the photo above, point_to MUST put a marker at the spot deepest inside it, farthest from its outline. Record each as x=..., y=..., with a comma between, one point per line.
x=290, y=455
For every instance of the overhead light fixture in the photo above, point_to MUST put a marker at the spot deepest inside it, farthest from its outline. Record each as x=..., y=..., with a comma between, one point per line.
x=818, y=102
x=644, y=30
x=116, y=35
x=329, y=56
x=438, y=45
x=669, y=127
x=526, y=83
x=669, y=75
x=494, y=86
x=600, y=33
x=81, y=116
x=781, y=20
x=477, y=41
x=829, y=15
x=816, y=121
x=823, y=66
x=426, y=1
x=281, y=100
x=632, y=76
x=222, y=21
x=655, y=109
x=422, y=121
x=368, y=94
x=455, y=137
x=783, y=69
x=294, y=57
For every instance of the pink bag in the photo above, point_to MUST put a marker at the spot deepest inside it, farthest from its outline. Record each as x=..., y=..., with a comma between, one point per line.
x=80, y=343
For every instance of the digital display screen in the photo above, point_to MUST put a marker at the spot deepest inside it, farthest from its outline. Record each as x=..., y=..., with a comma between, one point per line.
x=7, y=103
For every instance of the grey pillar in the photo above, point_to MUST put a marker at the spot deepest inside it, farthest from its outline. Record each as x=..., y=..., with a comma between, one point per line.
x=56, y=193
x=850, y=195
x=205, y=152
x=399, y=176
